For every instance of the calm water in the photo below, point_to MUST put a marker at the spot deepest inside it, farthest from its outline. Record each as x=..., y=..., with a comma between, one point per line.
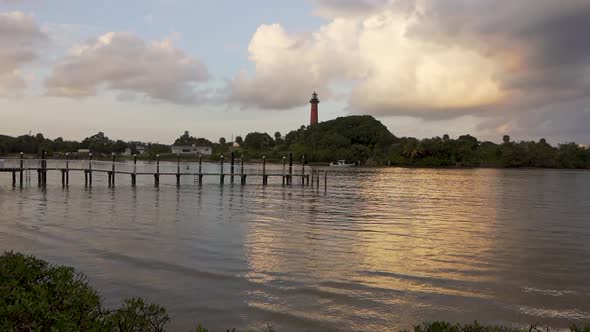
x=380, y=250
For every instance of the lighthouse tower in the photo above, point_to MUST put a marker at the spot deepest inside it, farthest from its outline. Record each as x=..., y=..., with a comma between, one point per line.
x=314, y=109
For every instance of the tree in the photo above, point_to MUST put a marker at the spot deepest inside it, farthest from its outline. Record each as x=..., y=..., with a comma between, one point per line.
x=506, y=139
x=446, y=137
x=239, y=139
x=258, y=141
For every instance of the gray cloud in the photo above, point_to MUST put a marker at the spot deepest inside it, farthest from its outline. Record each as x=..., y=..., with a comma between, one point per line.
x=433, y=59
x=126, y=63
x=559, y=123
x=20, y=39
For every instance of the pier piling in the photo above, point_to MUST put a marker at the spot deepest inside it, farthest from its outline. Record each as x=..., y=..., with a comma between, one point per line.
x=221, y=175
x=67, y=169
x=264, y=176
x=178, y=170
x=44, y=167
x=134, y=174
x=157, y=175
x=303, y=170
x=242, y=175
x=90, y=170
x=284, y=159
x=200, y=170
x=290, y=178
x=21, y=173
x=232, y=167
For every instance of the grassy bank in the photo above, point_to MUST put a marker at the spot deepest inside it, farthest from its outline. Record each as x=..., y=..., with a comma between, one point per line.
x=38, y=296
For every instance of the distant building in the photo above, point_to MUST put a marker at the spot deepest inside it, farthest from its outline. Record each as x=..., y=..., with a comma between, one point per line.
x=127, y=152
x=83, y=151
x=584, y=146
x=192, y=150
x=141, y=149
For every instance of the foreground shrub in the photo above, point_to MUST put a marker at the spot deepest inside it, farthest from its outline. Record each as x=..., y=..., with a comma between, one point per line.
x=476, y=327
x=38, y=296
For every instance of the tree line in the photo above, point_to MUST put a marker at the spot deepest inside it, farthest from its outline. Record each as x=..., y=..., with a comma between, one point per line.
x=361, y=139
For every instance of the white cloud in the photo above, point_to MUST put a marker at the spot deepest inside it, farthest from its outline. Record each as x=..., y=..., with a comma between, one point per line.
x=20, y=38
x=125, y=63
x=391, y=69
x=425, y=58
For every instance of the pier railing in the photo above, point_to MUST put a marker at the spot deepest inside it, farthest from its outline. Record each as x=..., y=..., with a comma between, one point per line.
x=234, y=168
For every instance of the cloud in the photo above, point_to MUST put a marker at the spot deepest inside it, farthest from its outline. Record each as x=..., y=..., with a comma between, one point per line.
x=20, y=39
x=349, y=8
x=125, y=63
x=425, y=58
x=559, y=123
x=289, y=66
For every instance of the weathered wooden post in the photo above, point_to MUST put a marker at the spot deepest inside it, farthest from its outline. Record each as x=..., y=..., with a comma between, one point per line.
x=22, y=164
x=318, y=179
x=312, y=177
x=63, y=177
x=303, y=170
x=290, y=178
x=39, y=180
x=242, y=175
x=90, y=170
x=134, y=174
x=44, y=166
x=157, y=174
x=232, y=166
x=264, y=177
x=67, y=168
x=325, y=180
x=112, y=177
x=200, y=169
x=221, y=175
x=178, y=169
x=284, y=159
x=13, y=177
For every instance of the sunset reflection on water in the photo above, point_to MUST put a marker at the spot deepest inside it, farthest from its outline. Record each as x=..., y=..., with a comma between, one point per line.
x=380, y=249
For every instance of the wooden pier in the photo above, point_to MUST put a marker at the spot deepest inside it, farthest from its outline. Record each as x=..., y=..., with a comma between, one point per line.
x=21, y=167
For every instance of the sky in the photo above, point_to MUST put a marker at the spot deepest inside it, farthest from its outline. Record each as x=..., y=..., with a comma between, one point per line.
x=150, y=69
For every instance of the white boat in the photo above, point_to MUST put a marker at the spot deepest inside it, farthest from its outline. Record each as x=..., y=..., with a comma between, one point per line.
x=341, y=163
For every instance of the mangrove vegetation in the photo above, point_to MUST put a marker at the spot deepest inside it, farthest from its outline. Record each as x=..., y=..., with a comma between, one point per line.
x=361, y=139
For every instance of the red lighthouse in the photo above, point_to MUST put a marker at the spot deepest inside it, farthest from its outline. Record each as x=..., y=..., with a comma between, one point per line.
x=314, y=109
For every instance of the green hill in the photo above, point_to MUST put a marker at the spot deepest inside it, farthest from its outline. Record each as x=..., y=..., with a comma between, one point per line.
x=358, y=137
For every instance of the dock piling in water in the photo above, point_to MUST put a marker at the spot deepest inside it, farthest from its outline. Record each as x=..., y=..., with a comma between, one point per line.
x=303, y=170
x=284, y=160
x=21, y=169
x=232, y=166
x=44, y=168
x=242, y=175
x=221, y=175
x=157, y=175
x=134, y=174
x=200, y=170
x=90, y=170
x=290, y=178
x=67, y=169
x=264, y=176
x=178, y=170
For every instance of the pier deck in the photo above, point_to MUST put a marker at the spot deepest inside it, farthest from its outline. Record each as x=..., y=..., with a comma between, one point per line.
x=20, y=167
